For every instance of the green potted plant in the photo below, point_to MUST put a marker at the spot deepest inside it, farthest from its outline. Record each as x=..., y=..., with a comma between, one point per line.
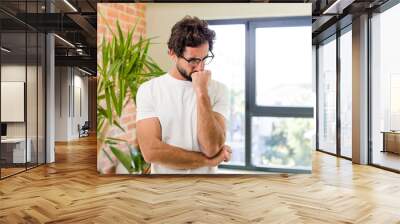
x=123, y=67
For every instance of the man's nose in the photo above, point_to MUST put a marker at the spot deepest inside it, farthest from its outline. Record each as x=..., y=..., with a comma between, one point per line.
x=200, y=66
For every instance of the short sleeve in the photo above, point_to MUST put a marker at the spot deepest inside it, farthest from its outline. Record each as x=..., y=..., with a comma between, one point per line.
x=221, y=102
x=144, y=103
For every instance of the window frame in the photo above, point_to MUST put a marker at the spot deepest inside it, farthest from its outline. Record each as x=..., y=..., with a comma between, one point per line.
x=251, y=108
x=346, y=29
x=380, y=9
x=41, y=37
x=333, y=37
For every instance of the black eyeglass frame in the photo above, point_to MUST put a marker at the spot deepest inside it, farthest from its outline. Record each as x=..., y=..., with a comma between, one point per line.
x=196, y=61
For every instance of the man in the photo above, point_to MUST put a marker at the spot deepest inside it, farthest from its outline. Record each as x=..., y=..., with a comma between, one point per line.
x=181, y=115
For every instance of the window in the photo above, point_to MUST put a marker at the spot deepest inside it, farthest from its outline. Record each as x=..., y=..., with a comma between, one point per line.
x=385, y=88
x=284, y=95
x=283, y=71
x=394, y=102
x=282, y=142
x=271, y=123
x=327, y=95
x=22, y=75
x=228, y=67
x=346, y=93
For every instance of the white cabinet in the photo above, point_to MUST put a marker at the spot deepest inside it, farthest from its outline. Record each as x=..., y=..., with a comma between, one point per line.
x=18, y=149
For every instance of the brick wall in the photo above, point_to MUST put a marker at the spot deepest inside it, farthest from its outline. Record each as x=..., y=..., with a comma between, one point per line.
x=127, y=14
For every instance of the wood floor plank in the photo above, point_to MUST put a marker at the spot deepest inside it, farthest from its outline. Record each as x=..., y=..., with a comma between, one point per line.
x=71, y=191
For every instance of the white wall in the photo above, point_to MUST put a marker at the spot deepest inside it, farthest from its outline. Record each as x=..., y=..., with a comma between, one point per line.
x=160, y=17
x=12, y=73
x=61, y=103
x=66, y=119
x=80, y=83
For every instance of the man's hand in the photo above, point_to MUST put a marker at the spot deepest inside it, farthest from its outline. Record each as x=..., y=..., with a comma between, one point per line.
x=223, y=156
x=200, y=81
x=228, y=153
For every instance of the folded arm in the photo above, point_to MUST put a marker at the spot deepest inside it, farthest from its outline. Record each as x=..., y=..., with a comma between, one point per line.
x=156, y=151
x=210, y=125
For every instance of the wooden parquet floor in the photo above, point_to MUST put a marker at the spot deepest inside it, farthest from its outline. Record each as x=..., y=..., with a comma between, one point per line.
x=10, y=171
x=71, y=191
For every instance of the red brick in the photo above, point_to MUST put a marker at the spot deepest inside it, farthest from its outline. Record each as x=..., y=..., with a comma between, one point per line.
x=139, y=30
x=132, y=126
x=119, y=6
x=112, y=13
x=100, y=30
x=129, y=107
x=130, y=10
x=141, y=6
x=130, y=110
x=125, y=119
x=141, y=14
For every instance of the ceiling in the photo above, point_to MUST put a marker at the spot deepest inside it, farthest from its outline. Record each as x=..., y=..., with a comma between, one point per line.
x=76, y=22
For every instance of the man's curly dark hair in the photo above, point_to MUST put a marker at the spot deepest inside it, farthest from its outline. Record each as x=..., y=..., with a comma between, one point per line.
x=190, y=32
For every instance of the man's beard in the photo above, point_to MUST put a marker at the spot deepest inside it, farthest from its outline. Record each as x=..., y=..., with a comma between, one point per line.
x=184, y=74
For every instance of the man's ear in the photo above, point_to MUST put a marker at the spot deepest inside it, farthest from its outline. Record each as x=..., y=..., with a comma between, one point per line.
x=172, y=55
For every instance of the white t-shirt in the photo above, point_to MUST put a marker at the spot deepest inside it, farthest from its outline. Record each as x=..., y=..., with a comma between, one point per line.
x=173, y=102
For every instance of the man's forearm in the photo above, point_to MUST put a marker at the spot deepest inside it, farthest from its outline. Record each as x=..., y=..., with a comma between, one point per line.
x=175, y=157
x=210, y=134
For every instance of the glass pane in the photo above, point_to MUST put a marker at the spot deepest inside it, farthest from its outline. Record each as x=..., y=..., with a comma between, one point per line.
x=13, y=84
x=228, y=67
x=346, y=94
x=41, y=98
x=283, y=67
x=31, y=100
x=327, y=97
x=386, y=89
x=16, y=7
x=282, y=142
x=32, y=9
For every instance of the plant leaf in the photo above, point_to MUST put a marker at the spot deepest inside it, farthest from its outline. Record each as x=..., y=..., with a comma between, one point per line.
x=124, y=67
x=119, y=126
x=116, y=139
x=123, y=158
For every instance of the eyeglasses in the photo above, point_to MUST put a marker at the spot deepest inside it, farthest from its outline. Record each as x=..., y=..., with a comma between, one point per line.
x=196, y=61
